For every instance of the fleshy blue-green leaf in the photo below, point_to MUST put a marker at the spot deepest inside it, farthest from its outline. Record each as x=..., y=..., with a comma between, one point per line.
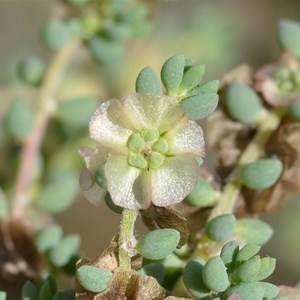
x=55, y=35
x=48, y=238
x=154, y=270
x=32, y=70
x=77, y=112
x=289, y=36
x=167, y=239
x=58, y=195
x=246, y=253
x=267, y=267
x=192, y=77
x=254, y=231
x=19, y=120
x=29, y=292
x=148, y=82
x=93, y=279
x=203, y=195
x=4, y=205
x=192, y=278
x=210, y=87
x=104, y=51
x=270, y=290
x=172, y=73
x=246, y=291
x=242, y=103
x=248, y=271
x=221, y=228
x=261, y=174
x=229, y=253
x=200, y=106
x=214, y=275
x=62, y=253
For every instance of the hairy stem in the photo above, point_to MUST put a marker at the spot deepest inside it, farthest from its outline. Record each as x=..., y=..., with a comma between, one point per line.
x=46, y=107
x=126, y=238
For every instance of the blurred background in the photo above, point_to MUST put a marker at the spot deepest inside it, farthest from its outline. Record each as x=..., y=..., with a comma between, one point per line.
x=219, y=33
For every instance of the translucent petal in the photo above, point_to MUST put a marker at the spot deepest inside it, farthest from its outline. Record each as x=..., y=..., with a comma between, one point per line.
x=153, y=111
x=186, y=137
x=95, y=194
x=172, y=182
x=93, y=157
x=108, y=126
x=127, y=185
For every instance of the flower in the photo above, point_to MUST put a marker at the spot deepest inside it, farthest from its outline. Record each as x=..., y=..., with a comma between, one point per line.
x=280, y=82
x=146, y=151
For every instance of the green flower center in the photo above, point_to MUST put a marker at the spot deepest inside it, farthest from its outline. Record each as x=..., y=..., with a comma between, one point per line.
x=287, y=80
x=147, y=149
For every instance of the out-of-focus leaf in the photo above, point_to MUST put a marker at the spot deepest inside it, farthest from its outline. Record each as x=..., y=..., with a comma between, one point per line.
x=48, y=238
x=62, y=253
x=77, y=112
x=4, y=205
x=58, y=195
x=19, y=120
x=289, y=36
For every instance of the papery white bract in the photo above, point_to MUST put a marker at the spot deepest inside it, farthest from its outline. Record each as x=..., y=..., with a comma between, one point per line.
x=151, y=148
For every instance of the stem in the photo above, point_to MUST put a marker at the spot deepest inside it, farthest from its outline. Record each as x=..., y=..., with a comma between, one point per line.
x=46, y=108
x=126, y=238
x=254, y=151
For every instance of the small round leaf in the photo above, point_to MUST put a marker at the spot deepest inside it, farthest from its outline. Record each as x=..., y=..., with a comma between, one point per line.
x=32, y=70
x=229, y=253
x=254, y=231
x=221, y=228
x=192, y=277
x=93, y=279
x=48, y=238
x=246, y=253
x=248, y=270
x=58, y=195
x=267, y=267
x=203, y=195
x=289, y=36
x=148, y=82
x=247, y=290
x=242, y=103
x=172, y=73
x=55, y=35
x=167, y=239
x=214, y=275
x=104, y=51
x=192, y=77
x=154, y=270
x=19, y=120
x=62, y=253
x=29, y=292
x=261, y=174
x=77, y=112
x=200, y=106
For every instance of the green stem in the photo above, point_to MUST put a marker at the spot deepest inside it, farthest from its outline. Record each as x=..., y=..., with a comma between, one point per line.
x=254, y=151
x=256, y=148
x=126, y=238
